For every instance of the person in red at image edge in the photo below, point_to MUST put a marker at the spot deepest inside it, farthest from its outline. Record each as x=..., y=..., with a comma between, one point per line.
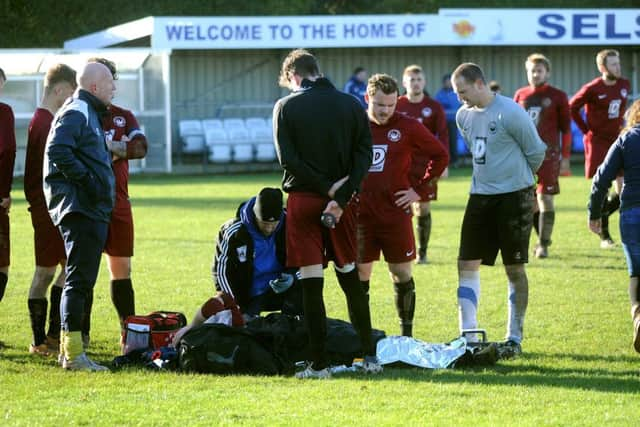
x=604, y=100
x=125, y=141
x=384, y=214
x=7, y=161
x=548, y=107
x=419, y=105
x=59, y=84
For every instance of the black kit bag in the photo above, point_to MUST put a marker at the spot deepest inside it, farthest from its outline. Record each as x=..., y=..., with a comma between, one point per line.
x=287, y=339
x=220, y=349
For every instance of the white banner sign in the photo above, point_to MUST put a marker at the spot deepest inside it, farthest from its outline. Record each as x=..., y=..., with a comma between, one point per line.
x=488, y=27
x=294, y=31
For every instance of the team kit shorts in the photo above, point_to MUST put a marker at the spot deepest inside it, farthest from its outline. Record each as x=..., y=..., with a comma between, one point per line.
x=120, y=235
x=497, y=222
x=5, y=253
x=548, y=176
x=595, y=151
x=47, y=240
x=311, y=243
x=388, y=230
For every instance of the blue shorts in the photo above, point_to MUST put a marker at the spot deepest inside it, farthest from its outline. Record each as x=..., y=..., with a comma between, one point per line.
x=630, y=236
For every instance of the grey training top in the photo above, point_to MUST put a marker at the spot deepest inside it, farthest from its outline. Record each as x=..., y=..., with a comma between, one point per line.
x=505, y=146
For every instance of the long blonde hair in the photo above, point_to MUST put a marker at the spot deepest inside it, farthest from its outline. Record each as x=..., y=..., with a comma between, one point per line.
x=632, y=116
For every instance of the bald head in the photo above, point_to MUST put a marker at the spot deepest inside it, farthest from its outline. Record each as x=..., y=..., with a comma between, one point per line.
x=96, y=79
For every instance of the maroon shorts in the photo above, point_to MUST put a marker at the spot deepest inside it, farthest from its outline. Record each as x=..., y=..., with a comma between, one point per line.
x=47, y=240
x=389, y=230
x=548, y=176
x=120, y=236
x=5, y=253
x=309, y=242
x=595, y=150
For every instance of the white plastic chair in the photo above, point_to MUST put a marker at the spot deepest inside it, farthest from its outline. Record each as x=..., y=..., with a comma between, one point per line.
x=255, y=122
x=242, y=146
x=233, y=123
x=218, y=144
x=191, y=135
x=211, y=124
x=263, y=140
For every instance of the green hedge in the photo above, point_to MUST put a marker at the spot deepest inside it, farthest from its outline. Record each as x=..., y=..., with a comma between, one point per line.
x=47, y=24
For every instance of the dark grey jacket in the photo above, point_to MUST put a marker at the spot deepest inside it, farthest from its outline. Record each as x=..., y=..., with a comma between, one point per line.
x=77, y=169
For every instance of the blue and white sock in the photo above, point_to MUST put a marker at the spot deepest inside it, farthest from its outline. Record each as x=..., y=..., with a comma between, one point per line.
x=468, y=299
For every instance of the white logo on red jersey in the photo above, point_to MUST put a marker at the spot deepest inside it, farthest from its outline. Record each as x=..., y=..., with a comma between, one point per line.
x=394, y=135
x=603, y=96
x=546, y=102
x=379, y=155
x=119, y=121
x=426, y=112
x=623, y=92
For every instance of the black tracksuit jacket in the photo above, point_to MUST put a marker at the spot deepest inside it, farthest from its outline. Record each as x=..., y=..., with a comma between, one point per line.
x=322, y=135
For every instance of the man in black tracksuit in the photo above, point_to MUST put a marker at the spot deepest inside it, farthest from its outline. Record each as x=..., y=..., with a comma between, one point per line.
x=323, y=143
x=250, y=258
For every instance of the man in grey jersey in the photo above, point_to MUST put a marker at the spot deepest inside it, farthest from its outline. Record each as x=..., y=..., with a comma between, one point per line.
x=506, y=152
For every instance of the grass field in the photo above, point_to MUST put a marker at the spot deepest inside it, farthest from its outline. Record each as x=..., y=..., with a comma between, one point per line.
x=578, y=367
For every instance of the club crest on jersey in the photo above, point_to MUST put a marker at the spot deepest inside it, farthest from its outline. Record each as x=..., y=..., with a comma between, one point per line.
x=623, y=92
x=394, y=135
x=379, y=155
x=242, y=253
x=546, y=102
x=493, y=127
x=426, y=112
x=119, y=121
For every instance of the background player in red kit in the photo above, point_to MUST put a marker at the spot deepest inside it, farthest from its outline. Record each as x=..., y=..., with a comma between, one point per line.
x=604, y=100
x=384, y=217
x=419, y=105
x=7, y=161
x=126, y=141
x=548, y=107
x=59, y=84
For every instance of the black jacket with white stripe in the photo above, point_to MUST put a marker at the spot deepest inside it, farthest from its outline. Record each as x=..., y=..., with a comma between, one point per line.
x=232, y=268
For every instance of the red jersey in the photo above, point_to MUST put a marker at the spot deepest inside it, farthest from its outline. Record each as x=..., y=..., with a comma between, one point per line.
x=394, y=146
x=548, y=107
x=7, y=149
x=430, y=113
x=117, y=123
x=36, y=141
x=604, y=107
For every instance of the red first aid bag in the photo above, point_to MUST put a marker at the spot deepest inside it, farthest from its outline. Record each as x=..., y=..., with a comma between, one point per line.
x=152, y=331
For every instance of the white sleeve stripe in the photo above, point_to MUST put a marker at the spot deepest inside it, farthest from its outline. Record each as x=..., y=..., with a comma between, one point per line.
x=135, y=133
x=221, y=274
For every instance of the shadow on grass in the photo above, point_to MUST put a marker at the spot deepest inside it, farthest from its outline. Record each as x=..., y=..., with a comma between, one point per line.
x=221, y=202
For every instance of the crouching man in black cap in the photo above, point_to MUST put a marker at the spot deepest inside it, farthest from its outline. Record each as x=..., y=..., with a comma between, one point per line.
x=249, y=263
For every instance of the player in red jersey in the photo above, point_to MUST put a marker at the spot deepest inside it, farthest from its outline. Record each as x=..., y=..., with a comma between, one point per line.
x=7, y=160
x=126, y=141
x=388, y=191
x=604, y=100
x=419, y=105
x=548, y=107
x=59, y=84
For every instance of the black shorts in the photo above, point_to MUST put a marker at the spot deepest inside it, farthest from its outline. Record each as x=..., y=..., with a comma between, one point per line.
x=497, y=222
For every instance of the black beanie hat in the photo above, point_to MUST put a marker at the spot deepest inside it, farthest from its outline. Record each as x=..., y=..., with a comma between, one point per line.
x=268, y=205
